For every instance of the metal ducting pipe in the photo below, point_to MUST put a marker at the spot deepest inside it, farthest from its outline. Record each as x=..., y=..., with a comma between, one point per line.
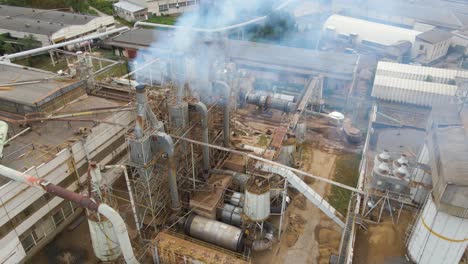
x=215, y=232
x=167, y=145
x=201, y=108
x=269, y=102
x=59, y=45
x=231, y=215
x=82, y=201
x=143, y=110
x=238, y=178
x=226, y=122
x=267, y=241
x=140, y=110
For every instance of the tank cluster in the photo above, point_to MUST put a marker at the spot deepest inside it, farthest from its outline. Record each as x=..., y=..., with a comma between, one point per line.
x=391, y=174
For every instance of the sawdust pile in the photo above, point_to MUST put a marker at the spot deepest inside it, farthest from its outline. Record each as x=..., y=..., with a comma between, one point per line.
x=294, y=229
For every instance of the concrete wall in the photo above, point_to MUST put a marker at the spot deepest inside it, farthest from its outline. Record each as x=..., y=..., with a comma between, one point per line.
x=430, y=52
x=131, y=16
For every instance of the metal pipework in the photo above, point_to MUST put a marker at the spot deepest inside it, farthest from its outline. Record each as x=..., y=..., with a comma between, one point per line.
x=62, y=44
x=201, y=108
x=140, y=110
x=269, y=102
x=82, y=201
x=215, y=232
x=226, y=113
x=130, y=194
x=231, y=215
x=265, y=242
x=167, y=145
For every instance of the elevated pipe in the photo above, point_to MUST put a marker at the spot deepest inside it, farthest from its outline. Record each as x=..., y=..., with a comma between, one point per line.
x=201, y=108
x=226, y=112
x=165, y=142
x=213, y=30
x=82, y=201
x=59, y=45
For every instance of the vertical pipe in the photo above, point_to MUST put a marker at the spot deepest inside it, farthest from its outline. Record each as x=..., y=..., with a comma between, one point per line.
x=201, y=108
x=140, y=110
x=226, y=112
x=165, y=141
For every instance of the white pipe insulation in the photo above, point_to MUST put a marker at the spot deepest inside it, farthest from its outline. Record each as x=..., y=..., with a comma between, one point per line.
x=59, y=45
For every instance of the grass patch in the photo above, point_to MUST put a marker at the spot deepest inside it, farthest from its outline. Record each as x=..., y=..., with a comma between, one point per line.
x=43, y=62
x=166, y=20
x=346, y=172
x=263, y=141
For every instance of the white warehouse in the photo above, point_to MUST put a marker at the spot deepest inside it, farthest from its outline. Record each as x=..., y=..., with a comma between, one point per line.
x=50, y=26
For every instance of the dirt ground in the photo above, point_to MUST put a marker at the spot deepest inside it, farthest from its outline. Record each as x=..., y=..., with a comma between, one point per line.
x=382, y=241
x=309, y=236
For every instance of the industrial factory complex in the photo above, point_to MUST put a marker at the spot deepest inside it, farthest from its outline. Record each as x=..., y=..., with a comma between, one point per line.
x=180, y=144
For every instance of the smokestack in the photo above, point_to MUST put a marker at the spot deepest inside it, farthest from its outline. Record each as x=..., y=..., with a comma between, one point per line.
x=140, y=110
x=201, y=108
x=226, y=122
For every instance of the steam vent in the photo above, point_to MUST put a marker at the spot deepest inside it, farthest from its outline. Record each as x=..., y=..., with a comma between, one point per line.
x=234, y=132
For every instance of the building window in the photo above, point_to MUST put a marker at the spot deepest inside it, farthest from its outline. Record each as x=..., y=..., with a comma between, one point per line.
x=58, y=217
x=421, y=47
x=28, y=240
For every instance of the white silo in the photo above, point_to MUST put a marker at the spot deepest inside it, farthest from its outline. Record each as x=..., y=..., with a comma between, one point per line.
x=438, y=237
x=440, y=233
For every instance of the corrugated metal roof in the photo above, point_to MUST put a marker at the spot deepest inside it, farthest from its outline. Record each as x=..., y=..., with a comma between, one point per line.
x=370, y=31
x=435, y=35
x=411, y=91
x=420, y=73
x=130, y=7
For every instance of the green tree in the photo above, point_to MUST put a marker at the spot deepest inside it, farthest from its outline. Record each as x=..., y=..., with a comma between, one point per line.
x=8, y=48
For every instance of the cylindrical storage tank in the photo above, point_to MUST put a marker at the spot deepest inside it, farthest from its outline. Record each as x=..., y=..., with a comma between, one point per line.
x=437, y=237
x=257, y=200
x=231, y=215
x=178, y=115
x=104, y=240
x=336, y=118
x=236, y=199
x=3, y=136
x=215, y=232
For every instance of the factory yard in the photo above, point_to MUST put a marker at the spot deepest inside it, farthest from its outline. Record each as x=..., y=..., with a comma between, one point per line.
x=284, y=132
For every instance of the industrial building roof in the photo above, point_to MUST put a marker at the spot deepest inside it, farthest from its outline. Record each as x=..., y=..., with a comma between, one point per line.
x=139, y=36
x=370, y=31
x=437, y=14
x=39, y=21
x=410, y=91
x=451, y=136
x=420, y=73
x=44, y=84
x=32, y=14
x=435, y=35
x=304, y=61
x=129, y=6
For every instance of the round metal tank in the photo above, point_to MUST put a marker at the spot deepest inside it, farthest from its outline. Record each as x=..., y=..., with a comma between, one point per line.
x=236, y=199
x=3, y=136
x=257, y=200
x=215, y=232
x=178, y=115
x=104, y=240
x=437, y=237
x=231, y=215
